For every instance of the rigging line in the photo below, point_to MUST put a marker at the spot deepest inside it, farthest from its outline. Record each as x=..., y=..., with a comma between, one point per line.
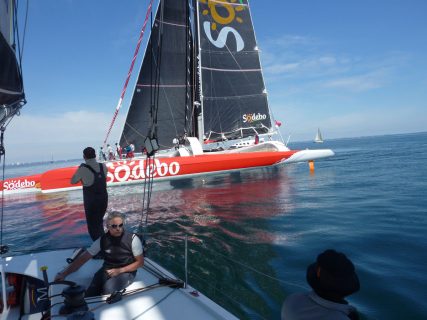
x=143, y=197
x=150, y=186
x=157, y=303
x=101, y=301
x=156, y=92
x=155, y=271
x=172, y=24
x=187, y=30
x=2, y=155
x=135, y=130
x=21, y=50
x=119, y=104
x=241, y=128
x=152, y=134
x=148, y=176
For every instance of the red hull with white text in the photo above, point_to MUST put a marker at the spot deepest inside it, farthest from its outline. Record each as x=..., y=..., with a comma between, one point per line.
x=135, y=170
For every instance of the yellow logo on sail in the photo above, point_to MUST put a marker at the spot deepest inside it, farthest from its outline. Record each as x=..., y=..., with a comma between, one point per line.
x=231, y=7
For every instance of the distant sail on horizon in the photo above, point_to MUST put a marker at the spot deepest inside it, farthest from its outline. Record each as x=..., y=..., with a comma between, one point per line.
x=318, y=138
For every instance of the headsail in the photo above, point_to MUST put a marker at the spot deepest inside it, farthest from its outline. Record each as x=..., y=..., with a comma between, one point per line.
x=233, y=96
x=162, y=81
x=11, y=85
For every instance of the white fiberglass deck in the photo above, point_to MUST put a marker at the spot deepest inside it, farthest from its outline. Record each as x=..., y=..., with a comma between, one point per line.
x=160, y=302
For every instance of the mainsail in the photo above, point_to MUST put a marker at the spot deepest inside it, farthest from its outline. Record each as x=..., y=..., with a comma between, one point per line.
x=11, y=85
x=213, y=42
x=161, y=93
x=233, y=96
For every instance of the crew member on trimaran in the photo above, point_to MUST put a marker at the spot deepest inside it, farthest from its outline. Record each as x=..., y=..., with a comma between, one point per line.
x=95, y=197
x=122, y=253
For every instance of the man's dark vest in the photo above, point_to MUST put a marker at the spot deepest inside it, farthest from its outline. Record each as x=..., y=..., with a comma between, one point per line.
x=117, y=250
x=99, y=185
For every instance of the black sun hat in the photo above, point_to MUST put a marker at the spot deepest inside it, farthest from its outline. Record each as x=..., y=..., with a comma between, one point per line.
x=337, y=274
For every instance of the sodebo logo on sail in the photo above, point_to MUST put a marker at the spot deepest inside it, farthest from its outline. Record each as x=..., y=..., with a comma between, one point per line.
x=251, y=117
x=18, y=184
x=230, y=10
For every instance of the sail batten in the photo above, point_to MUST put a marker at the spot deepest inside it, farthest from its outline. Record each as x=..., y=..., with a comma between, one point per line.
x=231, y=70
x=231, y=97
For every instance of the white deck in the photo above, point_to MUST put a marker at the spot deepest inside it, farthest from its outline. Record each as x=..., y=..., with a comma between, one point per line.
x=158, y=303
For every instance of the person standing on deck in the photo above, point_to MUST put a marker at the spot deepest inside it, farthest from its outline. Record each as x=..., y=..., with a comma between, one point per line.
x=93, y=175
x=110, y=152
x=118, y=151
x=101, y=155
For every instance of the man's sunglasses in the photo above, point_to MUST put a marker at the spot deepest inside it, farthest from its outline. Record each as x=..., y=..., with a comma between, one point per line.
x=115, y=226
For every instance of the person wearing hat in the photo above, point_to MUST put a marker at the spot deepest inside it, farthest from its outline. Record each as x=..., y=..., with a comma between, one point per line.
x=93, y=175
x=332, y=278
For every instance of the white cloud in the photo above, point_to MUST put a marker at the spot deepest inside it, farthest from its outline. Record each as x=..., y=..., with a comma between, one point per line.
x=38, y=138
x=309, y=63
x=364, y=82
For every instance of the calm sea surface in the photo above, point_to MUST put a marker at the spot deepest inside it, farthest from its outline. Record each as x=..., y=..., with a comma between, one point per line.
x=252, y=234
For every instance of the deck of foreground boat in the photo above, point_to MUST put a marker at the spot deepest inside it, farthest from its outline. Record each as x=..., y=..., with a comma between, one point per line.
x=161, y=302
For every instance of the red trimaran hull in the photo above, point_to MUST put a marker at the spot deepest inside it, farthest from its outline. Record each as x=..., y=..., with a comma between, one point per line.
x=136, y=170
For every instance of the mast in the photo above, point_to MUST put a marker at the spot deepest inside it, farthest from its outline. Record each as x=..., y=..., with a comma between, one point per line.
x=198, y=77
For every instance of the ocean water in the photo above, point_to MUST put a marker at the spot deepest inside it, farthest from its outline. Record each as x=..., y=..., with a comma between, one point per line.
x=252, y=234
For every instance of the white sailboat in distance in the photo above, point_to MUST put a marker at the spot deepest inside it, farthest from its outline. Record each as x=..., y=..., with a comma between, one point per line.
x=318, y=138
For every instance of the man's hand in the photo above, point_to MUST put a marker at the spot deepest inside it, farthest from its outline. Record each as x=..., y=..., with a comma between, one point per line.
x=114, y=272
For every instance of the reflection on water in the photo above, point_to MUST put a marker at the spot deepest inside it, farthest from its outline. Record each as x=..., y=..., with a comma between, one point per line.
x=223, y=216
x=247, y=230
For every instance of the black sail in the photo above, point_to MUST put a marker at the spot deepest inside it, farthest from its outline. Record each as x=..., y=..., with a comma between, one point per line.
x=11, y=86
x=234, y=100
x=166, y=53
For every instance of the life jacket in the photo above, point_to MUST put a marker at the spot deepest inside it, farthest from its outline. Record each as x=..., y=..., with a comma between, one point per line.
x=117, y=250
x=99, y=185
